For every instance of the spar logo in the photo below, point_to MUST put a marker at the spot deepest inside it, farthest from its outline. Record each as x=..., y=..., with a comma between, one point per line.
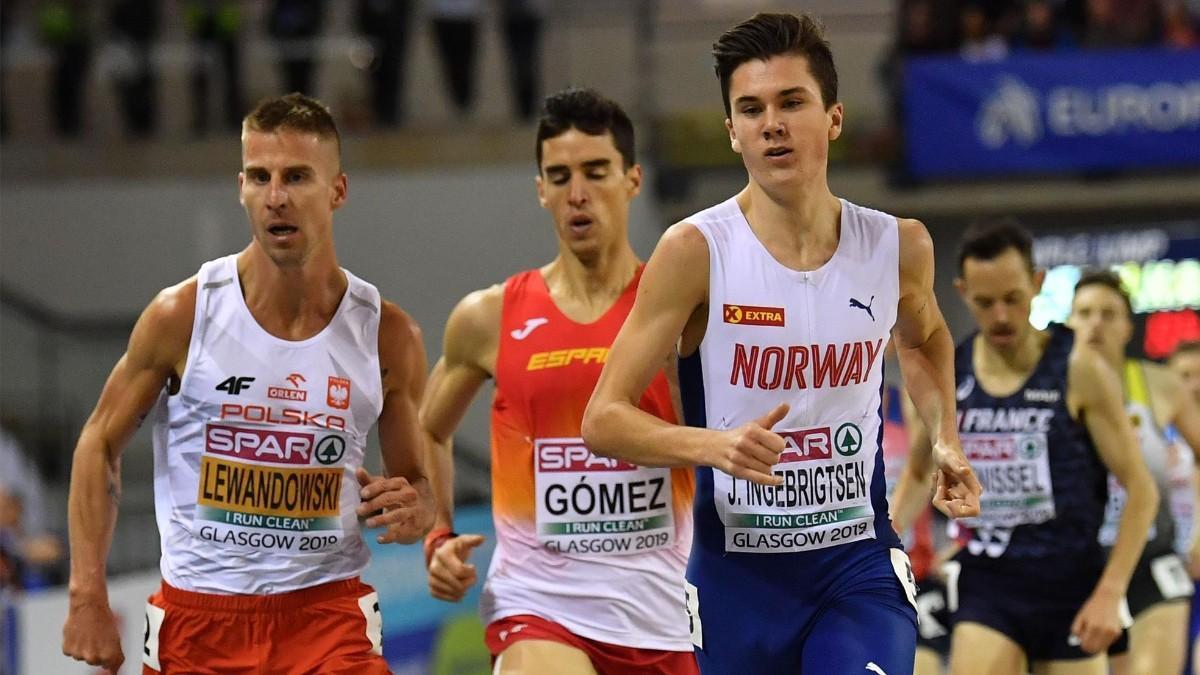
x=570, y=454
x=803, y=445
x=752, y=315
x=286, y=447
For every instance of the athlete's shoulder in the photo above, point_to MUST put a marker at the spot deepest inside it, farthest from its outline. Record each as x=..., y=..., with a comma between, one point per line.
x=474, y=323
x=1088, y=371
x=1166, y=389
x=397, y=323
x=173, y=308
x=684, y=241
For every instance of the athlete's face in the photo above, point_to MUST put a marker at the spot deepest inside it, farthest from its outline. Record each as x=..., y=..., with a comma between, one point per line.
x=291, y=183
x=587, y=190
x=1099, y=318
x=778, y=122
x=999, y=293
x=1187, y=366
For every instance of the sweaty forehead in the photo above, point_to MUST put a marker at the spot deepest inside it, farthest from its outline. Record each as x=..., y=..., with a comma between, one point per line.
x=1000, y=275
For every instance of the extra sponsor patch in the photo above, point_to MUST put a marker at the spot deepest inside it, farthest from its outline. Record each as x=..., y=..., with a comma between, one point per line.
x=753, y=315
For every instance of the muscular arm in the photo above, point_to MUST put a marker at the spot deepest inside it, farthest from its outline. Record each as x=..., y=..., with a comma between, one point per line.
x=674, y=284
x=911, y=494
x=1095, y=397
x=922, y=339
x=926, y=354
x=468, y=359
x=156, y=353
x=403, y=363
x=613, y=425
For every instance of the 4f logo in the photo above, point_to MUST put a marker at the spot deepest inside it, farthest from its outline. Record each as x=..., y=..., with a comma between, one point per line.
x=235, y=385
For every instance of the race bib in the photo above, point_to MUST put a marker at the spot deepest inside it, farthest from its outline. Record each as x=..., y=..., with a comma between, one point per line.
x=825, y=498
x=269, y=488
x=595, y=505
x=1014, y=469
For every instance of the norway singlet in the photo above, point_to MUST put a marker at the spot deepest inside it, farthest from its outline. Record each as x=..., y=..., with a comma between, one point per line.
x=596, y=545
x=773, y=568
x=254, y=457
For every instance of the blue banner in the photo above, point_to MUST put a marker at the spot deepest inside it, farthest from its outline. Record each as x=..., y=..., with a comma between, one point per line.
x=1050, y=113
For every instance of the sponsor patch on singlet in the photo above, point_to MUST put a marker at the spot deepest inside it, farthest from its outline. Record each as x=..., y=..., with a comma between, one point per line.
x=825, y=498
x=1014, y=470
x=596, y=505
x=264, y=487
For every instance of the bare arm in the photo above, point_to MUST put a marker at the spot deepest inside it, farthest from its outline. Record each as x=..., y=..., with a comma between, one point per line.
x=405, y=494
x=1185, y=416
x=156, y=353
x=673, y=285
x=926, y=354
x=1095, y=397
x=468, y=359
x=911, y=494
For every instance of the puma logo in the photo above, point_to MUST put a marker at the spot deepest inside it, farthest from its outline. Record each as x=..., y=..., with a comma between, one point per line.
x=867, y=307
x=530, y=326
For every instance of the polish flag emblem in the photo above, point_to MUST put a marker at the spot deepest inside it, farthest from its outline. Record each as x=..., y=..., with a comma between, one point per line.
x=338, y=394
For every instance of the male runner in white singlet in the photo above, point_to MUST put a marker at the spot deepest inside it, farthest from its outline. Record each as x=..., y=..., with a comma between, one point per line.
x=264, y=373
x=780, y=302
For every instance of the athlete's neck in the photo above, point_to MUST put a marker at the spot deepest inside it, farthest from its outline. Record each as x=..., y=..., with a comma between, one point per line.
x=585, y=287
x=801, y=229
x=293, y=302
x=1020, y=360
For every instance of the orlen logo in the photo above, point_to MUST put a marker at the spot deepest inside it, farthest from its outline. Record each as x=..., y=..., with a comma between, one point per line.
x=338, y=394
x=287, y=447
x=802, y=445
x=570, y=454
x=750, y=315
x=295, y=393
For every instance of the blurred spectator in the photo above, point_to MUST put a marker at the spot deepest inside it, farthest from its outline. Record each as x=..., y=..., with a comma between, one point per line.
x=387, y=23
x=214, y=26
x=63, y=28
x=135, y=26
x=980, y=42
x=1040, y=29
x=5, y=23
x=523, y=39
x=295, y=23
x=1121, y=23
x=30, y=555
x=1179, y=27
x=926, y=27
x=456, y=30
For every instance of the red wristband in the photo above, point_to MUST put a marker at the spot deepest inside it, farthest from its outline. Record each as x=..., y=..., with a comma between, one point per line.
x=436, y=537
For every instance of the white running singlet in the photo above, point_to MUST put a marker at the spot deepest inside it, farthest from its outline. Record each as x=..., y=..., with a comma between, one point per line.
x=814, y=340
x=254, y=457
